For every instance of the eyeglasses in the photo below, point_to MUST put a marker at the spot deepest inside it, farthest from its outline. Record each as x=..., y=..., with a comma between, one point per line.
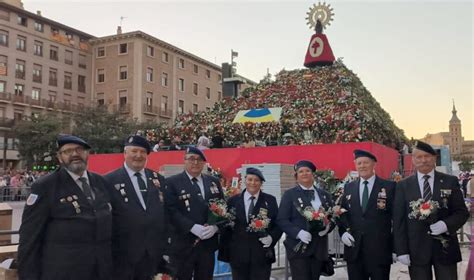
x=69, y=152
x=194, y=159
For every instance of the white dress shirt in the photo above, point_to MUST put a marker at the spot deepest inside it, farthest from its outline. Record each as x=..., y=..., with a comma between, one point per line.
x=316, y=202
x=421, y=181
x=136, y=187
x=247, y=201
x=200, y=183
x=370, y=186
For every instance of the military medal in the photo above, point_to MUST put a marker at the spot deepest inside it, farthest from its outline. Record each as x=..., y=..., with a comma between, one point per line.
x=62, y=200
x=77, y=207
x=117, y=187
x=69, y=198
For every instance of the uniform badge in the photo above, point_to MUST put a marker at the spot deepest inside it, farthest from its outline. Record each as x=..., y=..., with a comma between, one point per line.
x=382, y=194
x=110, y=206
x=31, y=199
x=77, y=207
x=156, y=182
x=69, y=198
x=381, y=204
x=117, y=187
x=62, y=200
x=348, y=197
x=445, y=193
x=161, y=196
x=155, y=174
x=75, y=197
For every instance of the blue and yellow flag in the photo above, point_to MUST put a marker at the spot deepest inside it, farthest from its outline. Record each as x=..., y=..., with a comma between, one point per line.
x=258, y=115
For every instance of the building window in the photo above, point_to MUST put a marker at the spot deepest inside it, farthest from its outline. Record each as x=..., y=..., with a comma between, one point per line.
x=100, y=75
x=208, y=93
x=164, y=104
x=37, y=73
x=20, y=69
x=219, y=95
x=4, y=38
x=219, y=77
x=164, y=79
x=149, y=99
x=35, y=94
x=3, y=65
x=19, y=89
x=101, y=52
x=38, y=48
x=52, y=96
x=4, y=14
x=3, y=86
x=181, y=85
x=196, y=69
x=67, y=80
x=208, y=74
x=150, y=51
x=123, y=73
x=70, y=38
x=22, y=20
x=180, y=106
x=68, y=57
x=149, y=74
x=81, y=83
x=165, y=57
x=100, y=99
x=53, y=53
x=53, y=77
x=54, y=31
x=39, y=26
x=181, y=63
x=21, y=43
x=195, y=108
x=82, y=61
x=123, y=48
x=195, y=88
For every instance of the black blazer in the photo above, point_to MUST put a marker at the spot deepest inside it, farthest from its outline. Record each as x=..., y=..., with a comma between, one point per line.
x=372, y=229
x=244, y=246
x=411, y=236
x=187, y=208
x=62, y=231
x=291, y=222
x=136, y=230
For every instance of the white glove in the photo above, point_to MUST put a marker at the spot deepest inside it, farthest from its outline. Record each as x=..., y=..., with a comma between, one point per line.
x=325, y=230
x=197, y=230
x=394, y=257
x=266, y=241
x=438, y=228
x=209, y=232
x=304, y=236
x=347, y=239
x=404, y=259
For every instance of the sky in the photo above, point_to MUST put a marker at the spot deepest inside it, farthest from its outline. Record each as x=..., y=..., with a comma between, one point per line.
x=415, y=57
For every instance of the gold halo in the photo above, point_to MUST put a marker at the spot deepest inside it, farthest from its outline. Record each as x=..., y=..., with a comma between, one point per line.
x=323, y=12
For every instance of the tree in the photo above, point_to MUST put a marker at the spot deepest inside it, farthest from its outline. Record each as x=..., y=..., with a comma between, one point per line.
x=37, y=139
x=466, y=164
x=103, y=130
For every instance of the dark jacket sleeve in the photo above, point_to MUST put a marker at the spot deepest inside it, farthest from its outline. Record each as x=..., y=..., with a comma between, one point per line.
x=275, y=231
x=459, y=213
x=343, y=221
x=400, y=233
x=34, y=221
x=181, y=222
x=284, y=216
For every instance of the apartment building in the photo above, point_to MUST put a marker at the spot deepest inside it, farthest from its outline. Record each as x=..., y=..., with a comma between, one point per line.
x=151, y=80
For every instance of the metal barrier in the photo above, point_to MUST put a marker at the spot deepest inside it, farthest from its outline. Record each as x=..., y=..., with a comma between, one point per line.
x=14, y=194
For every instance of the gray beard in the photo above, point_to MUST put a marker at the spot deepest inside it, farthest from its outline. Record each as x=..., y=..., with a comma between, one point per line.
x=76, y=168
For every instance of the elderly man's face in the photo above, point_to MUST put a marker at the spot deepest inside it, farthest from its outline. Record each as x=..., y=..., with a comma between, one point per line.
x=135, y=157
x=74, y=158
x=424, y=162
x=253, y=184
x=193, y=164
x=365, y=166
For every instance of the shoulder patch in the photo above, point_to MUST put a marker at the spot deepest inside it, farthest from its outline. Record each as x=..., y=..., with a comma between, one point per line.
x=31, y=199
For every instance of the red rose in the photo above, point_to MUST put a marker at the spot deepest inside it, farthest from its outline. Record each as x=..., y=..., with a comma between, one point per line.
x=258, y=224
x=214, y=207
x=315, y=215
x=425, y=206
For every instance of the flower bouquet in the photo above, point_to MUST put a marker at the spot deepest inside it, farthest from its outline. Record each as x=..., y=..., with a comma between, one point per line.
x=259, y=225
x=317, y=220
x=218, y=214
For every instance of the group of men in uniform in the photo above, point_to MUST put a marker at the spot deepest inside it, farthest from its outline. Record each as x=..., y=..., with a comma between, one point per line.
x=132, y=224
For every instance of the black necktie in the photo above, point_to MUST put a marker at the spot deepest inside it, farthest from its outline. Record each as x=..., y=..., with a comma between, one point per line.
x=86, y=189
x=142, y=186
x=195, y=184
x=309, y=194
x=365, y=196
x=251, y=206
x=426, y=189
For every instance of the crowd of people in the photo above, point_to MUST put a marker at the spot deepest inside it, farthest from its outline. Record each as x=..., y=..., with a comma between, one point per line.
x=133, y=223
x=321, y=105
x=14, y=184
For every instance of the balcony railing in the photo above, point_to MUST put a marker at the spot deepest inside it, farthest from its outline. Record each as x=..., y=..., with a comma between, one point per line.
x=122, y=108
x=166, y=113
x=53, y=82
x=5, y=96
x=147, y=109
x=81, y=88
x=6, y=122
x=19, y=99
x=37, y=79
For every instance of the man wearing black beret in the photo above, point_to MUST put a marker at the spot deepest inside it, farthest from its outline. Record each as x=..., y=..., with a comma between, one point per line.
x=417, y=242
x=366, y=227
x=67, y=221
x=193, y=242
x=139, y=217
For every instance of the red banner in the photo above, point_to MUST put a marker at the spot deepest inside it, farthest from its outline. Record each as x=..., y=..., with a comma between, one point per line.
x=337, y=157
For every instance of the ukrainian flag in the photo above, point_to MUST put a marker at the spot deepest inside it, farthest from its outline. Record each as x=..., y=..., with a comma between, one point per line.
x=258, y=115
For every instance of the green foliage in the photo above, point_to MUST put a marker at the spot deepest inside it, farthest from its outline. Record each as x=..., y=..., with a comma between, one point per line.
x=327, y=180
x=466, y=164
x=37, y=139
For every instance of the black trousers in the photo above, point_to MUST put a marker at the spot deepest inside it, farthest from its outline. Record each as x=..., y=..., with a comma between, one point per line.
x=442, y=272
x=251, y=271
x=144, y=269
x=199, y=264
x=363, y=269
x=305, y=268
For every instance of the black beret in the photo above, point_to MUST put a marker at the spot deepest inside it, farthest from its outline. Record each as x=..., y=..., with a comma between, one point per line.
x=138, y=141
x=362, y=153
x=425, y=147
x=305, y=163
x=196, y=151
x=256, y=172
x=71, y=139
